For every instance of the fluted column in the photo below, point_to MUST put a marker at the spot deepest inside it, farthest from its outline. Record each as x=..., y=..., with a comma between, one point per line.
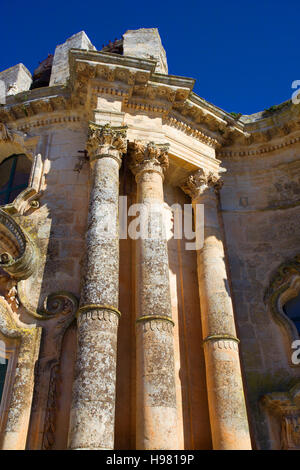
x=156, y=415
x=93, y=406
x=227, y=410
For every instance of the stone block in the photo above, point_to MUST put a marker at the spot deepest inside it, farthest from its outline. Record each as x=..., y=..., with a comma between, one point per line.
x=60, y=67
x=16, y=79
x=145, y=43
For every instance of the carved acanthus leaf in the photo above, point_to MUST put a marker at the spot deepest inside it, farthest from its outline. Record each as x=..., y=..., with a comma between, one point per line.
x=141, y=154
x=198, y=182
x=104, y=139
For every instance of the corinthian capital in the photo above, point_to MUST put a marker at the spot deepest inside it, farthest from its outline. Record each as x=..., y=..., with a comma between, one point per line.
x=148, y=157
x=106, y=141
x=200, y=181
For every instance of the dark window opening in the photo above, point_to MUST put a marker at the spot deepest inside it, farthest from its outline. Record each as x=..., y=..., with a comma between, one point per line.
x=3, y=370
x=14, y=177
x=292, y=311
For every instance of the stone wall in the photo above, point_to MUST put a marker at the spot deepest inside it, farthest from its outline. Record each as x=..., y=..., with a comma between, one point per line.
x=261, y=212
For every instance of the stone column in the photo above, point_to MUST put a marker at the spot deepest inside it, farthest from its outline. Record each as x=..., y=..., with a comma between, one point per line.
x=227, y=409
x=93, y=406
x=156, y=414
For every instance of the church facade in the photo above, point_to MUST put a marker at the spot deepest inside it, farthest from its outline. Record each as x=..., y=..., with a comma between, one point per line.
x=149, y=259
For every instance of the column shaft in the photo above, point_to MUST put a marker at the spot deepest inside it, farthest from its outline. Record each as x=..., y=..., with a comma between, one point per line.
x=93, y=406
x=227, y=409
x=156, y=414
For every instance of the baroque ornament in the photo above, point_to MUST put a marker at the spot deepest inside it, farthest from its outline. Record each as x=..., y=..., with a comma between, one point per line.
x=106, y=140
x=197, y=183
x=20, y=262
x=286, y=407
x=148, y=155
x=284, y=285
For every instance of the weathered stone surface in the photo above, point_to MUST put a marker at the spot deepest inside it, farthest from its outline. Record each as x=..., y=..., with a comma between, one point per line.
x=227, y=408
x=93, y=406
x=16, y=79
x=146, y=44
x=92, y=414
x=156, y=392
x=260, y=210
x=60, y=66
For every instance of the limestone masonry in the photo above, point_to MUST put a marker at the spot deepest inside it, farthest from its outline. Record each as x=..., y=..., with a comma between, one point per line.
x=114, y=340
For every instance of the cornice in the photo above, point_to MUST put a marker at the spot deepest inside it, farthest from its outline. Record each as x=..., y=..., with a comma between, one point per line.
x=135, y=83
x=277, y=142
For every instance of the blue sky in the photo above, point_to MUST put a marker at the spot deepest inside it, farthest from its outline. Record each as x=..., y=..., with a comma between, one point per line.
x=243, y=55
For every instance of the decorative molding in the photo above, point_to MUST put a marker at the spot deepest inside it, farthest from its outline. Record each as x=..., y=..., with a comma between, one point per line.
x=91, y=307
x=52, y=400
x=27, y=199
x=221, y=338
x=285, y=406
x=106, y=141
x=60, y=309
x=25, y=126
x=155, y=324
x=139, y=88
x=256, y=151
x=199, y=182
x=221, y=342
x=146, y=318
x=188, y=129
x=54, y=305
x=284, y=285
x=149, y=157
x=107, y=315
x=21, y=262
x=19, y=407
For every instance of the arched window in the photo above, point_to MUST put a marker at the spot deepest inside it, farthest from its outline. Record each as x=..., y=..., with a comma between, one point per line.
x=292, y=311
x=14, y=177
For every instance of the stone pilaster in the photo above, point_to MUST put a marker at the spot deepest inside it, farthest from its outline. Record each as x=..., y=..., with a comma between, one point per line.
x=93, y=406
x=156, y=414
x=228, y=416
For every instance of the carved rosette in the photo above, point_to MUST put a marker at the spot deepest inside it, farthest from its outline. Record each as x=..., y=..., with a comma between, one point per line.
x=201, y=181
x=106, y=141
x=286, y=407
x=148, y=157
